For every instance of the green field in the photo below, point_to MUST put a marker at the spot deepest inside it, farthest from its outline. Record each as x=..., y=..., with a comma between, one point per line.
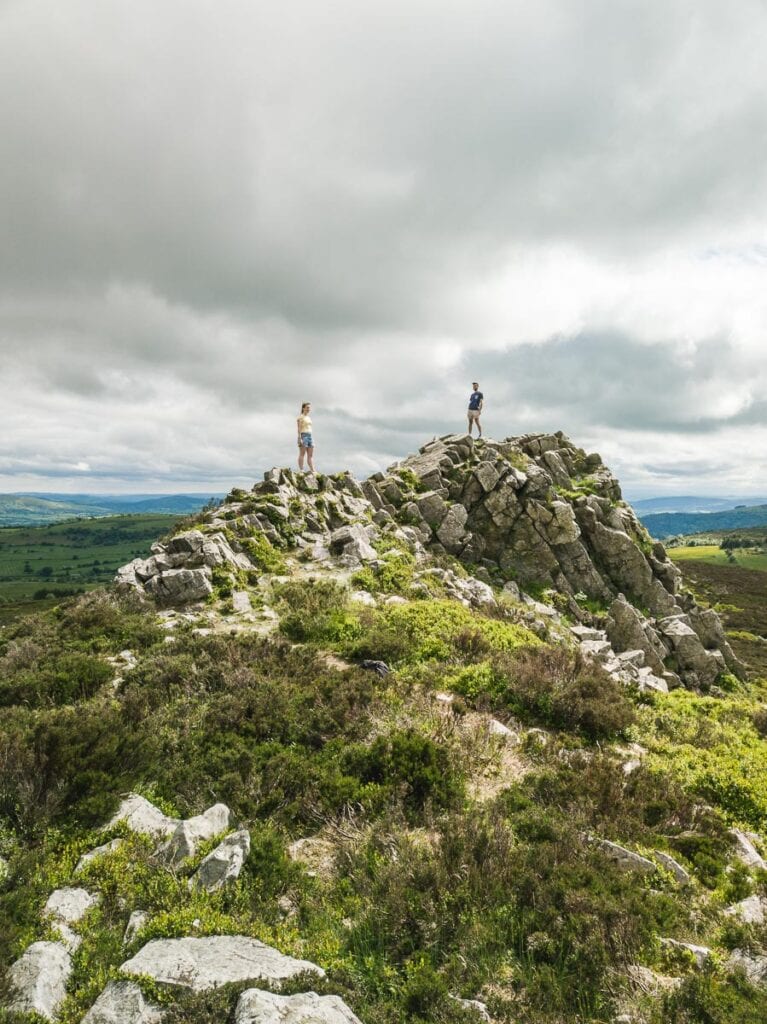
x=712, y=554
x=40, y=564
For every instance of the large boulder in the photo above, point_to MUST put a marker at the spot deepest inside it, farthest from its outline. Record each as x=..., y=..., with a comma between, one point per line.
x=205, y=963
x=258, y=1007
x=123, y=1002
x=38, y=979
x=694, y=661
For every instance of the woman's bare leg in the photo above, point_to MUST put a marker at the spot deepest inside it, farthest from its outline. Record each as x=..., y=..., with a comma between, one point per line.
x=310, y=458
x=301, y=454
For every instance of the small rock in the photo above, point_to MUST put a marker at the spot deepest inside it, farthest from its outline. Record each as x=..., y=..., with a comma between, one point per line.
x=379, y=667
x=143, y=817
x=680, y=874
x=496, y=728
x=136, y=922
x=363, y=597
x=587, y=632
x=599, y=649
x=754, y=965
x=201, y=964
x=190, y=833
x=258, y=1007
x=752, y=910
x=626, y=858
x=100, y=851
x=241, y=601
x=701, y=953
x=123, y=1002
x=66, y=907
x=223, y=864
x=746, y=851
x=395, y=599
x=38, y=979
x=473, y=1004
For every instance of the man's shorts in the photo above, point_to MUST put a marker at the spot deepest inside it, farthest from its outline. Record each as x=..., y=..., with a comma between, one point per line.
x=474, y=414
x=306, y=441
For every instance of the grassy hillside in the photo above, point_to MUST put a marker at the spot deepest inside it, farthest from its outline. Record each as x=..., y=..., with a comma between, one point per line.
x=444, y=861
x=68, y=557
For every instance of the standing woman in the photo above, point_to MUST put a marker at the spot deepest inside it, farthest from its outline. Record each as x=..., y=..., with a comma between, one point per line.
x=305, y=440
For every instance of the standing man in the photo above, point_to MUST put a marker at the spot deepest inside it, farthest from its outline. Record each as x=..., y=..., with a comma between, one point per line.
x=476, y=401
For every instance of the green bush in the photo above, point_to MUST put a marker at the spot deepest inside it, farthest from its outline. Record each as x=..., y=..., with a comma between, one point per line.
x=435, y=630
x=263, y=554
x=408, y=762
x=316, y=611
x=392, y=575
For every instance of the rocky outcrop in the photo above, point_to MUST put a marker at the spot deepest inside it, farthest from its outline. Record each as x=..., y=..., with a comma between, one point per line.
x=143, y=817
x=257, y=1007
x=179, y=570
x=206, y=963
x=535, y=511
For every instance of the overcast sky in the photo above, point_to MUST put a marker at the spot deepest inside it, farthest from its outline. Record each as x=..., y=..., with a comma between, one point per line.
x=213, y=210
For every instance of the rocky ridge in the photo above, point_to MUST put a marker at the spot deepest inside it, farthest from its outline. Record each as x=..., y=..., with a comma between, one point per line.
x=535, y=516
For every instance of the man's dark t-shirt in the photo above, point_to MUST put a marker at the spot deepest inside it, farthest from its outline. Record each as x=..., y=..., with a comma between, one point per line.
x=474, y=399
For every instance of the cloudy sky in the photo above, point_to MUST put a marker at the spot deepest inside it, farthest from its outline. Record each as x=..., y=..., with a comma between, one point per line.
x=215, y=209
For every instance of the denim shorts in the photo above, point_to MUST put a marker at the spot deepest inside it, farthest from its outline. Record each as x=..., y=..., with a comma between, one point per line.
x=306, y=441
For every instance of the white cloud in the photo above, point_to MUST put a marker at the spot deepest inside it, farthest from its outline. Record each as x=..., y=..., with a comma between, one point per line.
x=212, y=215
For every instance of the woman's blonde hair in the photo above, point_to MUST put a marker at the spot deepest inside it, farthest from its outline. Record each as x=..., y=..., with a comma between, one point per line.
x=305, y=405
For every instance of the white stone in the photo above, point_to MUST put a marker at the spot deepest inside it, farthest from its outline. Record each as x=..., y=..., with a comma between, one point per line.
x=395, y=599
x=496, y=728
x=680, y=874
x=626, y=858
x=189, y=833
x=100, y=851
x=363, y=597
x=136, y=922
x=636, y=658
x=258, y=1007
x=122, y=1002
x=587, y=633
x=474, y=1004
x=600, y=649
x=143, y=817
x=64, y=908
x=746, y=851
x=38, y=979
x=204, y=963
x=223, y=864
x=754, y=965
x=241, y=601
x=752, y=910
x=702, y=954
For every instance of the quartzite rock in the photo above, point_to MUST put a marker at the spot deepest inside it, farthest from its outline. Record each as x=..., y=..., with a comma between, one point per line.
x=143, y=817
x=223, y=864
x=38, y=979
x=190, y=833
x=181, y=586
x=752, y=910
x=258, y=1007
x=123, y=1002
x=206, y=963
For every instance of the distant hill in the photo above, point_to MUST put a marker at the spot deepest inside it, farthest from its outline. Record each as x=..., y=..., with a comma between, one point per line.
x=693, y=503
x=673, y=524
x=40, y=509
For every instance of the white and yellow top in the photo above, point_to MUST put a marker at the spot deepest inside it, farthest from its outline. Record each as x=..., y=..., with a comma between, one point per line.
x=304, y=424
